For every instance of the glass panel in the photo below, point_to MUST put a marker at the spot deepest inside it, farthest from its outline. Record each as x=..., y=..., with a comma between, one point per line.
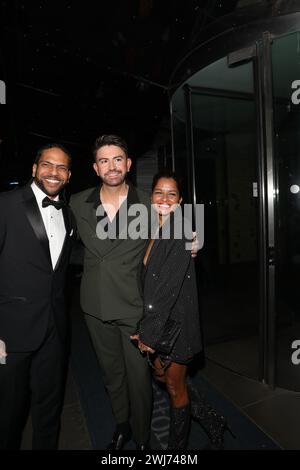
x=225, y=149
x=286, y=69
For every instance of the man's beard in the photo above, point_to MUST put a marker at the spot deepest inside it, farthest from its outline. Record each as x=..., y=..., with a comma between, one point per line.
x=54, y=192
x=117, y=182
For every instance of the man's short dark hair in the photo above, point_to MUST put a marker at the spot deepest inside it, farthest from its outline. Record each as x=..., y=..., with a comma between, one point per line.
x=51, y=146
x=110, y=139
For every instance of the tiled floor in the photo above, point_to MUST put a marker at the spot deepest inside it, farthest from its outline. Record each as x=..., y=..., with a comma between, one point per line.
x=275, y=412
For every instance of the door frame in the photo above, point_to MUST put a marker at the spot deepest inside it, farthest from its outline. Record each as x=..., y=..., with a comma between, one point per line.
x=260, y=56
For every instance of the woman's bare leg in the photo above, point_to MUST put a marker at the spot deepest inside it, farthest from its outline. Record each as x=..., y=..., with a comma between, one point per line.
x=175, y=380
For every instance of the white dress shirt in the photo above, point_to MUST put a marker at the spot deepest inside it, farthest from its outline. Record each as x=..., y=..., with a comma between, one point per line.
x=54, y=224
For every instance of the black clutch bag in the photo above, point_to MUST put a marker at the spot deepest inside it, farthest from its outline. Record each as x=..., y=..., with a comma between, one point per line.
x=170, y=334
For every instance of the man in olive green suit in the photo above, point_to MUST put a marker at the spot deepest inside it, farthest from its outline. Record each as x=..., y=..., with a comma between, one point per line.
x=110, y=296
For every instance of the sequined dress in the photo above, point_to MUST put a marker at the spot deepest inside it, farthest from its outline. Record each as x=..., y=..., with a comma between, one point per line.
x=170, y=291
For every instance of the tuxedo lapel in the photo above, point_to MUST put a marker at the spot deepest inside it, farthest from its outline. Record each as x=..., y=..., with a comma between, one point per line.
x=35, y=219
x=68, y=227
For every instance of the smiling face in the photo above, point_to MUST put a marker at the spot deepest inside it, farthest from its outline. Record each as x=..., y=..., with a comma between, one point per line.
x=51, y=173
x=165, y=196
x=112, y=165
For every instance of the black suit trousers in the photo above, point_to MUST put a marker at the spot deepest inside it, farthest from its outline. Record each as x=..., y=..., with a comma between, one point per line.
x=126, y=373
x=36, y=380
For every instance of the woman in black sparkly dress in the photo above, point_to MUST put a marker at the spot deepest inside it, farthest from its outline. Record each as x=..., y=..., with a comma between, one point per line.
x=169, y=331
x=170, y=298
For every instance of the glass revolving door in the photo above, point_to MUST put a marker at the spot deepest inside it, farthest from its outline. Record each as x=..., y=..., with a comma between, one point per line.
x=222, y=110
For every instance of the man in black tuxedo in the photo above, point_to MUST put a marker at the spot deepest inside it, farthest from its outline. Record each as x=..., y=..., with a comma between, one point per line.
x=35, y=240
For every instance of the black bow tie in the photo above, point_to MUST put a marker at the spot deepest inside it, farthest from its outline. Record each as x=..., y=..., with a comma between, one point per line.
x=50, y=202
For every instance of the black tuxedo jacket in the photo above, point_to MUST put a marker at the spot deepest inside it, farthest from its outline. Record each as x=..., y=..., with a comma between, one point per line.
x=30, y=289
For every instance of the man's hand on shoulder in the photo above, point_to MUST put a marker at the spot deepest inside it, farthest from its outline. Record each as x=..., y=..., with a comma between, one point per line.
x=3, y=353
x=195, y=245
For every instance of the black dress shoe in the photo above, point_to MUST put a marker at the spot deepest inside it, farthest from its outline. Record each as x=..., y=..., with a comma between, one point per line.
x=118, y=441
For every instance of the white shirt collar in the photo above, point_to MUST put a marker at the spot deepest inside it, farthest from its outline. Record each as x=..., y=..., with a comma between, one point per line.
x=39, y=194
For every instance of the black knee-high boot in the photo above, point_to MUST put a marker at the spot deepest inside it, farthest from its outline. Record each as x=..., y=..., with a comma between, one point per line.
x=180, y=420
x=213, y=423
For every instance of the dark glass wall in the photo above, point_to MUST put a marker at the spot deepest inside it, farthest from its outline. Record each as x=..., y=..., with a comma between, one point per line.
x=237, y=144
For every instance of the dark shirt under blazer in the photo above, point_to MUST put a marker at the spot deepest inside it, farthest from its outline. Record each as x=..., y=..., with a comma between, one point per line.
x=109, y=287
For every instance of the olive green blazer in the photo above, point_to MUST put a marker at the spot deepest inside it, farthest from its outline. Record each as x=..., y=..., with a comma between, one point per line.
x=109, y=287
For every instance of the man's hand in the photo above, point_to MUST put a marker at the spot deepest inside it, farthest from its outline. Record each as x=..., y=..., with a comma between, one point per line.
x=3, y=353
x=195, y=245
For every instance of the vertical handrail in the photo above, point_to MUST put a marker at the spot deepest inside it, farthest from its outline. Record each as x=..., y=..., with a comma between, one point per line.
x=270, y=203
x=172, y=134
x=190, y=144
x=262, y=214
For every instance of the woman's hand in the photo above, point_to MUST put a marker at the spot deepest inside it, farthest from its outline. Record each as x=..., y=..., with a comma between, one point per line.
x=142, y=346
